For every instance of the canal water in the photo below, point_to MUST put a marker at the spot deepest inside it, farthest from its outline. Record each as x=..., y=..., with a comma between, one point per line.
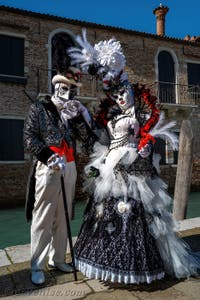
x=14, y=230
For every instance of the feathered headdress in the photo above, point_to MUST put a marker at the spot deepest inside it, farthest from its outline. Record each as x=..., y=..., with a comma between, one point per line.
x=104, y=58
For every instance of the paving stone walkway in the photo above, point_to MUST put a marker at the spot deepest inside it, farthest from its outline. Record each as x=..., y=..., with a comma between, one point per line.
x=15, y=281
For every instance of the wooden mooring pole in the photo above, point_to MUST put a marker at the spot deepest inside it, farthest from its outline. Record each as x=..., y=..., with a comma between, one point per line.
x=184, y=171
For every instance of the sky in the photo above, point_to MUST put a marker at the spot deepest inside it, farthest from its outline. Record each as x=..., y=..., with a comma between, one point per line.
x=182, y=19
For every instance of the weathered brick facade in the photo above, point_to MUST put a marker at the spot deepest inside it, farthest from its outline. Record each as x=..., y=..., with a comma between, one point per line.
x=141, y=51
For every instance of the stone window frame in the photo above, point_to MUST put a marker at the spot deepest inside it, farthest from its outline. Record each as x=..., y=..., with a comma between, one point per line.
x=190, y=61
x=15, y=78
x=26, y=157
x=93, y=82
x=176, y=68
x=49, y=47
x=186, y=84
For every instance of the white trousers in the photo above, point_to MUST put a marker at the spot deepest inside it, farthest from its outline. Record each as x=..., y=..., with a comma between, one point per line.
x=48, y=227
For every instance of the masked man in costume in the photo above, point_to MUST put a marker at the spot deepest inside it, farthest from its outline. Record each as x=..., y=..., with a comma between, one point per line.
x=47, y=137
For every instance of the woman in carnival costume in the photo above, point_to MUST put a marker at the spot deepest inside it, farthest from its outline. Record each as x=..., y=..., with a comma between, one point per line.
x=128, y=235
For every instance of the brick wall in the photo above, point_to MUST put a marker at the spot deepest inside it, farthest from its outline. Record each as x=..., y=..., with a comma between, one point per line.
x=13, y=184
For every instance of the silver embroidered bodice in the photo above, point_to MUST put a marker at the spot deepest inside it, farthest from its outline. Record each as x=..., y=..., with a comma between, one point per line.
x=123, y=130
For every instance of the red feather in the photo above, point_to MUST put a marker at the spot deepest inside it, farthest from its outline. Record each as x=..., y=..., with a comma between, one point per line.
x=145, y=137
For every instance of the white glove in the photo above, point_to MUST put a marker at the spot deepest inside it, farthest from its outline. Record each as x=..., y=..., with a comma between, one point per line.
x=74, y=108
x=145, y=151
x=56, y=162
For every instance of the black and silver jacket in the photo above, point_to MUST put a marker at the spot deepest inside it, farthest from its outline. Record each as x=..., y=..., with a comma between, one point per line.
x=44, y=128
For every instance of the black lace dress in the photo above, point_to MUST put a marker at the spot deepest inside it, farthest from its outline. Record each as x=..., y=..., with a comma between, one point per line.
x=127, y=234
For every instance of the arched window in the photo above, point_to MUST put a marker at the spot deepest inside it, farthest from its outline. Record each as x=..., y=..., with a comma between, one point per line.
x=59, y=45
x=58, y=61
x=166, y=77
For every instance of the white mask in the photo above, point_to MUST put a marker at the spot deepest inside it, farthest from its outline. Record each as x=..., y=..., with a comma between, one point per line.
x=65, y=91
x=123, y=96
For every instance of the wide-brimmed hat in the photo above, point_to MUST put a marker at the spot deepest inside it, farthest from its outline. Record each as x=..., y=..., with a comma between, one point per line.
x=72, y=76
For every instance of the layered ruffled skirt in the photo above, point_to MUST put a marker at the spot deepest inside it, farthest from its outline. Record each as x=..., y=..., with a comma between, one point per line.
x=128, y=235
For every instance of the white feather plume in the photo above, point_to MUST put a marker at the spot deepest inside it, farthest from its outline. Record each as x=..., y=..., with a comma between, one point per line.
x=110, y=55
x=86, y=55
x=164, y=131
x=107, y=55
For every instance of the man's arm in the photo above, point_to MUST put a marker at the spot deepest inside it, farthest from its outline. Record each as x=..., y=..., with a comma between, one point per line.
x=33, y=142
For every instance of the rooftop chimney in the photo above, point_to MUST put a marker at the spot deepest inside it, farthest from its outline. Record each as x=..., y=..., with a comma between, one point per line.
x=160, y=13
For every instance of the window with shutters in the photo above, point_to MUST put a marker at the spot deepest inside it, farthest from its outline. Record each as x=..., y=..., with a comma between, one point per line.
x=11, y=148
x=193, y=71
x=12, y=59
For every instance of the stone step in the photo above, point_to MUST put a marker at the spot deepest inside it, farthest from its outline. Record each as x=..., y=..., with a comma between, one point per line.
x=20, y=253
